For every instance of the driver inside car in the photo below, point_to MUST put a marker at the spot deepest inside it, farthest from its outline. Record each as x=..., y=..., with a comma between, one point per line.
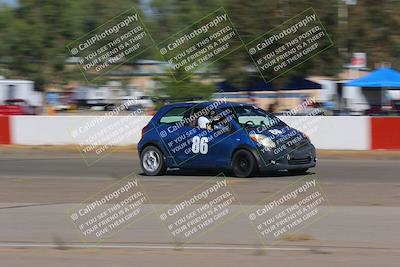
x=208, y=122
x=204, y=123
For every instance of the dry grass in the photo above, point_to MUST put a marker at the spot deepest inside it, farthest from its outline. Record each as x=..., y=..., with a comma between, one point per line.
x=372, y=154
x=296, y=237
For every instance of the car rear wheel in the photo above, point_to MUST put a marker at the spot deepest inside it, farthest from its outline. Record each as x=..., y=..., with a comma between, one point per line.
x=298, y=171
x=244, y=164
x=152, y=161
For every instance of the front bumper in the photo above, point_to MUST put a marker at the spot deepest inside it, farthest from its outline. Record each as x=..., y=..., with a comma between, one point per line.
x=301, y=156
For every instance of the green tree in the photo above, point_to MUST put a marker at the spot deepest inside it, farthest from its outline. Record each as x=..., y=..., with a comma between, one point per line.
x=252, y=19
x=34, y=35
x=177, y=89
x=373, y=27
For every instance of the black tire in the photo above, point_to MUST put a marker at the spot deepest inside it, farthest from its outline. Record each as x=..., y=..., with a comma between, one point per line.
x=152, y=161
x=244, y=164
x=298, y=171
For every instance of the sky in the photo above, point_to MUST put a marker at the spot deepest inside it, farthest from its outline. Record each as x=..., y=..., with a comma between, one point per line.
x=9, y=2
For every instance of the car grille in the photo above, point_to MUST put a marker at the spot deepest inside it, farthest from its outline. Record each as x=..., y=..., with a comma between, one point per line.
x=301, y=144
x=299, y=161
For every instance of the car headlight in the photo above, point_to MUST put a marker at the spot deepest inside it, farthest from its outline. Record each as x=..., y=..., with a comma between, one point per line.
x=263, y=140
x=305, y=136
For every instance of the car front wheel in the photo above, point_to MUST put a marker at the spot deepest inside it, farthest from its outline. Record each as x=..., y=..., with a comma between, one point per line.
x=244, y=164
x=152, y=161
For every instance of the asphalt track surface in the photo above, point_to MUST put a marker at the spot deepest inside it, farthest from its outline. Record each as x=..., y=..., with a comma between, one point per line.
x=54, y=164
x=37, y=188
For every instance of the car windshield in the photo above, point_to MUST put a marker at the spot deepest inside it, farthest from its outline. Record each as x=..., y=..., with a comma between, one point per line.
x=251, y=116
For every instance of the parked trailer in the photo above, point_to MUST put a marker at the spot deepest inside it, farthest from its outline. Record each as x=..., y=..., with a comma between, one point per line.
x=20, y=89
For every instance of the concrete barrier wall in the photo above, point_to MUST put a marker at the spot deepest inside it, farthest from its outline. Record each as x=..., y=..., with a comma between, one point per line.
x=66, y=130
x=340, y=133
x=332, y=132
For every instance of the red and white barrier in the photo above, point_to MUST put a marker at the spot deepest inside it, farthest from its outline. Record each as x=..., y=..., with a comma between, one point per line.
x=329, y=132
x=59, y=130
x=385, y=133
x=332, y=132
x=5, y=133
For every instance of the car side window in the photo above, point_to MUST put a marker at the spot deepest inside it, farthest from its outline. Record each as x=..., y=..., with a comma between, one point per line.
x=191, y=117
x=218, y=119
x=223, y=118
x=174, y=115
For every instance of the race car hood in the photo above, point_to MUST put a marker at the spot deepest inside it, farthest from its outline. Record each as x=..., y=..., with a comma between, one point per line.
x=286, y=140
x=279, y=133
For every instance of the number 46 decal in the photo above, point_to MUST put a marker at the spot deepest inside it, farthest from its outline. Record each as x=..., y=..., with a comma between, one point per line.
x=200, y=145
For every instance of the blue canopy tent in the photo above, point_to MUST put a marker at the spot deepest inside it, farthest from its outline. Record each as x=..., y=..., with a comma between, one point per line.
x=382, y=78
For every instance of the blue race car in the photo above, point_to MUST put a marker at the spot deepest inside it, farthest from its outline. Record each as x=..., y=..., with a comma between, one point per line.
x=225, y=136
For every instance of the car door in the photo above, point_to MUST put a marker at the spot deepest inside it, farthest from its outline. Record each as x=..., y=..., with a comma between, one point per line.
x=170, y=129
x=210, y=148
